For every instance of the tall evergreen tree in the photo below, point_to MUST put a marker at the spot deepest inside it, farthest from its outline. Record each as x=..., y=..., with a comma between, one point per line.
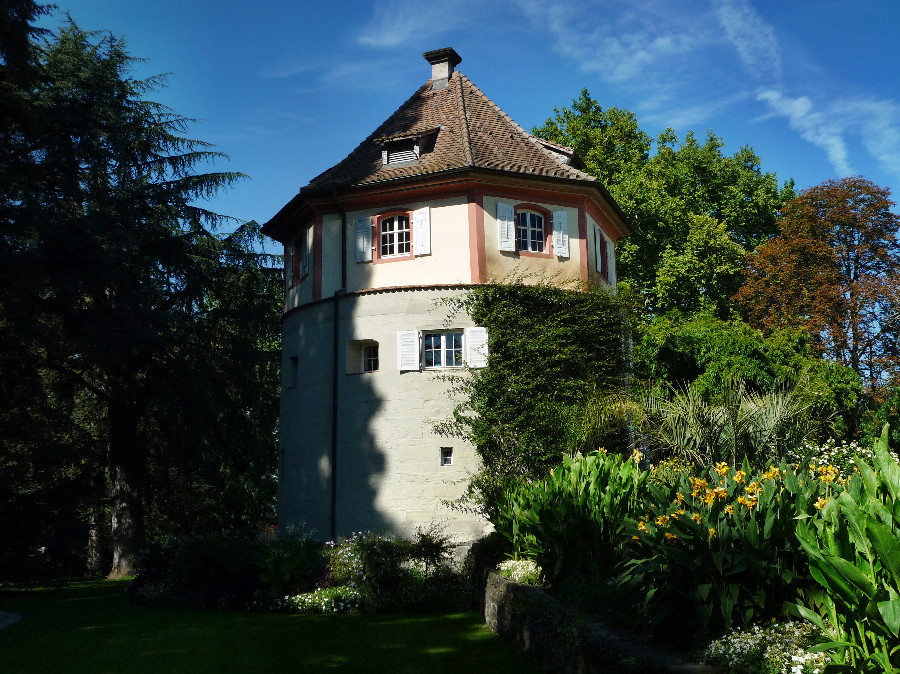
x=116, y=288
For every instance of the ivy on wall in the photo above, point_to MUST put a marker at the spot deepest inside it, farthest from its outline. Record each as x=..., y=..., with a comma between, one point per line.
x=550, y=347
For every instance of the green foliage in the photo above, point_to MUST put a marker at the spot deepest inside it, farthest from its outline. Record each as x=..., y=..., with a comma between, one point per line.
x=138, y=348
x=394, y=573
x=291, y=565
x=723, y=545
x=549, y=347
x=758, y=427
x=702, y=275
x=200, y=571
x=672, y=197
x=776, y=648
x=854, y=554
x=572, y=521
x=712, y=352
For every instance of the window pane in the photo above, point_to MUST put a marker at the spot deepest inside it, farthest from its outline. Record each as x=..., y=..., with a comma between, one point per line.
x=432, y=350
x=453, y=345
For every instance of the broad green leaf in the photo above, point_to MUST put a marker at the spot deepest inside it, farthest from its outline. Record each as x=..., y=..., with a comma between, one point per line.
x=887, y=545
x=890, y=611
x=850, y=571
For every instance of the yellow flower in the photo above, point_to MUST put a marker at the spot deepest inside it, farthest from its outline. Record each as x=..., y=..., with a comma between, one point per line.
x=662, y=521
x=753, y=488
x=698, y=486
x=729, y=509
x=709, y=497
x=739, y=477
x=671, y=537
x=828, y=474
x=713, y=534
x=636, y=538
x=821, y=503
x=772, y=473
x=747, y=502
x=679, y=498
x=696, y=517
x=637, y=455
x=642, y=526
x=722, y=468
x=602, y=450
x=721, y=492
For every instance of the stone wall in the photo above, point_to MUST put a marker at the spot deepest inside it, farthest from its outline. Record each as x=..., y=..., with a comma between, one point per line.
x=562, y=640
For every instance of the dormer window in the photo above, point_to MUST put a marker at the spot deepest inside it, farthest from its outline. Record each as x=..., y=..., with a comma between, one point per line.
x=406, y=148
x=400, y=151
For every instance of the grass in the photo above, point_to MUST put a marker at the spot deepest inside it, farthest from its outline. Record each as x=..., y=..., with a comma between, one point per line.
x=91, y=627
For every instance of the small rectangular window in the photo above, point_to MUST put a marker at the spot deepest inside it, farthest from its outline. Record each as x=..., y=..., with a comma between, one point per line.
x=370, y=357
x=446, y=456
x=362, y=356
x=290, y=375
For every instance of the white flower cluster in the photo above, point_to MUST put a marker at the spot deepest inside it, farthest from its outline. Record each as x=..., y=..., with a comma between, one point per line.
x=837, y=454
x=520, y=571
x=780, y=648
x=341, y=599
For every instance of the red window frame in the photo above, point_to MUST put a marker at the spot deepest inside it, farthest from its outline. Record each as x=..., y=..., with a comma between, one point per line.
x=376, y=237
x=548, y=229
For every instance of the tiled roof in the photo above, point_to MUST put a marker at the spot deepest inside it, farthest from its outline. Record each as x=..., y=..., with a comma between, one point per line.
x=471, y=132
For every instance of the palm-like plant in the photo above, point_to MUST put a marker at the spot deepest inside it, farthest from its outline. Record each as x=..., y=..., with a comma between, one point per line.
x=682, y=422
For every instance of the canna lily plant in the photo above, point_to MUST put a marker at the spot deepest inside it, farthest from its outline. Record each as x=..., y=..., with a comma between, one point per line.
x=853, y=545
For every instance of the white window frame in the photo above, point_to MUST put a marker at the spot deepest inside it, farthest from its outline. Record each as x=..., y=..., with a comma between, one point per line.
x=529, y=228
x=444, y=348
x=395, y=236
x=446, y=456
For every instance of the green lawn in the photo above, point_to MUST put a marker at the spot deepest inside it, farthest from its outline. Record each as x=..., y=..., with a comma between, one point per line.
x=91, y=627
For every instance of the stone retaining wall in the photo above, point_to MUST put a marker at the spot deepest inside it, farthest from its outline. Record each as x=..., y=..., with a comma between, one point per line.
x=562, y=640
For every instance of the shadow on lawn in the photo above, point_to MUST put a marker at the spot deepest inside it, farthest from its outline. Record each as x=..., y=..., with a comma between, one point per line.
x=91, y=627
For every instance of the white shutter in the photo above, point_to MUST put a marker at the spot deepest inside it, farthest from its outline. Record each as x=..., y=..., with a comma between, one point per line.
x=288, y=265
x=598, y=250
x=476, y=347
x=407, y=350
x=506, y=226
x=422, y=231
x=363, y=239
x=611, y=261
x=560, y=234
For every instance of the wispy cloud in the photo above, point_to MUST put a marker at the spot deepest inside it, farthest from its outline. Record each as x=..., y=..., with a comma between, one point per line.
x=752, y=37
x=397, y=22
x=814, y=127
x=619, y=44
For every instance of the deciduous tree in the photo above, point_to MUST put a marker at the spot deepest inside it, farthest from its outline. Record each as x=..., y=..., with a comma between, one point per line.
x=834, y=270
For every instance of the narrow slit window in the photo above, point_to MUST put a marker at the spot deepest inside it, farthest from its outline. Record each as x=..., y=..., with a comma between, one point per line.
x=446, y=456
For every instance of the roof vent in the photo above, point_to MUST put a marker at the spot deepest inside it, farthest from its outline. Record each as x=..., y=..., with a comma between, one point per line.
x=442, y=61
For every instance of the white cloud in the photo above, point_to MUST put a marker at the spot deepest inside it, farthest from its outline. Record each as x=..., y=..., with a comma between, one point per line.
x=621, y=44
x=397, y=22
x=752, y=37
x=815, y=127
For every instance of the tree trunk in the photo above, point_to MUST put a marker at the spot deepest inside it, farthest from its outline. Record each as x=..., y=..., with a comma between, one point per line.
x=125, y=512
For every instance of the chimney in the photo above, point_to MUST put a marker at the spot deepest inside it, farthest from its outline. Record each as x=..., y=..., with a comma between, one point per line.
x=442, y=61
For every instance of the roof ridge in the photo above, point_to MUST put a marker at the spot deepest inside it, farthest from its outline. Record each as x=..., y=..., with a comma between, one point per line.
x=525, y=135
x=464, y=116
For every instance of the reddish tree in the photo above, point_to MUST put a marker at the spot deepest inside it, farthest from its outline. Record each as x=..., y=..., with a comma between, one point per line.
x=834, y=270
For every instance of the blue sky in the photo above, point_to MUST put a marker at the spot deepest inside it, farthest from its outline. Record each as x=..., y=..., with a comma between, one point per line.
x=287, y=89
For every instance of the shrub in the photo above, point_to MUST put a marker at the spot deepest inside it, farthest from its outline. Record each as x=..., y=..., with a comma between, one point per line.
x=723, y=544
x=199, y=571
x=572, y=521
x=779, y=648
x=853, y=545
x=291, y=565
x=522, y=571
x=393, y=573
x=340, y=599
